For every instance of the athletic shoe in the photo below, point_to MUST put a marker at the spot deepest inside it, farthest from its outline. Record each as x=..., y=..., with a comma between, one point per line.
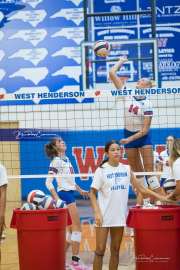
x=78, y=266
x=3, y=236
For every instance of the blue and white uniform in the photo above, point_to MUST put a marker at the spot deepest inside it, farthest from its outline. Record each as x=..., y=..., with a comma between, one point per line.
x=65, y=184
x=112, y=184
x=135, y=110
x=166, y=169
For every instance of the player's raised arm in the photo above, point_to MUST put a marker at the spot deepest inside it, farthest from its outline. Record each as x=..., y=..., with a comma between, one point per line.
x=119, y=82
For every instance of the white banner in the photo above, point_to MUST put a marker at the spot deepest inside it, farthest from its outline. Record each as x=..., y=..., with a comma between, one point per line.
x=94, y=93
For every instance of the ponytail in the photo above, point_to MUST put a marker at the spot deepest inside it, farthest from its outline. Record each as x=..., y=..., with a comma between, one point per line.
x=104, y=161
x=51, y=149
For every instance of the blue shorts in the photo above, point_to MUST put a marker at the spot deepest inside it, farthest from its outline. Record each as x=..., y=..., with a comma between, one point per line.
x=145, y=140
x=67, y=196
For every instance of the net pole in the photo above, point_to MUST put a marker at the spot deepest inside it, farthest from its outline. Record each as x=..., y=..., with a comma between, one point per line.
x=86, y=38
x=153, y=30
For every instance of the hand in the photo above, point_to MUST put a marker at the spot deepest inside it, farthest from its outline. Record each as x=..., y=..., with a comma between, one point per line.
x=123, y=59
x=171, y=197
x=84, y=193
x=98, y=219
x=165, y=199
x=134, y=189
x=124, y=141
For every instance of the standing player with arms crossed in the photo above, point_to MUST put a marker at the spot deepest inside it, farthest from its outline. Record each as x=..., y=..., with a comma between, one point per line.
x=138, y=114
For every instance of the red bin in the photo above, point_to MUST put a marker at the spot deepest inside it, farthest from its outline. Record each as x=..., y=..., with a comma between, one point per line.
x=41, y=238
x=157, y=237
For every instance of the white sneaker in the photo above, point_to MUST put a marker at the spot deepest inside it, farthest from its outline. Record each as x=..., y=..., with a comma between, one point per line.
x=78, y=266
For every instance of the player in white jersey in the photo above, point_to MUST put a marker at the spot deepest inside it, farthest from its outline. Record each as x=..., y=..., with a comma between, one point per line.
x=175, y=165
x=3, y=191
x=111, y=181
x=138, y=114
x=66, y=185
x=156, y=161
x=163, y=160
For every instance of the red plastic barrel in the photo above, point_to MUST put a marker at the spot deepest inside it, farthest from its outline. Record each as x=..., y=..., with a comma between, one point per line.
x=41, y=238
x=157, y=237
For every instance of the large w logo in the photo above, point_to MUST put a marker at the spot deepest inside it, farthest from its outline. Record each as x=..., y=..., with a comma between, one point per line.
x=87, y=161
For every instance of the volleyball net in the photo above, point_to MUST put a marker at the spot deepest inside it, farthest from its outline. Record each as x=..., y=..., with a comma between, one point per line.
x=85, y=127
x=85, y=118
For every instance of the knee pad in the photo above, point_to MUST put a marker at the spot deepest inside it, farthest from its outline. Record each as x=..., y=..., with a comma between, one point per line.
x=68, y=237
x=76, y=236
x=153, y=182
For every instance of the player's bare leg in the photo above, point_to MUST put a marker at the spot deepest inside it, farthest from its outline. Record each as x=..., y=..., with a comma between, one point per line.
x=135, y=161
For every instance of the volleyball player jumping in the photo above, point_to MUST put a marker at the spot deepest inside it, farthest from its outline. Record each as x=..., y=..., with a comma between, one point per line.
x=138, y=114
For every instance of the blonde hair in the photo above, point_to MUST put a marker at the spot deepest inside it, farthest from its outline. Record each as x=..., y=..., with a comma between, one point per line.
x=150, y=82
x=153, y=83
x=175, y=151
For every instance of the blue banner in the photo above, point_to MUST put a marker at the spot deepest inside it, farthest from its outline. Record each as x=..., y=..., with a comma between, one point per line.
x=84, y=148
x=167, y=12
x=128, y=27
x=114, y=6
x=40, y=47
x=168, y=52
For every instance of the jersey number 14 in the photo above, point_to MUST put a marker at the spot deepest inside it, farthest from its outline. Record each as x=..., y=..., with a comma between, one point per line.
x=133, y=109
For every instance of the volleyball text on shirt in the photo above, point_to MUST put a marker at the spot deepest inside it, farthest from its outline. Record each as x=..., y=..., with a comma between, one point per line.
x=112, y=184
